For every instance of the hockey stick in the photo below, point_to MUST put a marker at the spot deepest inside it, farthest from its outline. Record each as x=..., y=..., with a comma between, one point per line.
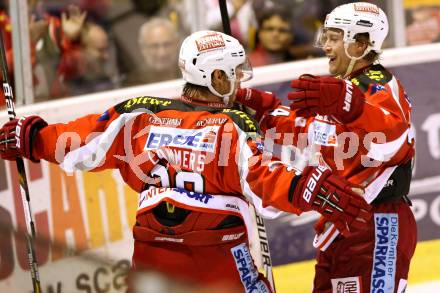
x=225, y=17
x=266, y=260
x=7, y=90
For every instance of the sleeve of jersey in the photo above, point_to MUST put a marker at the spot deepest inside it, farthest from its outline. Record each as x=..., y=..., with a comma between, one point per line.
x=386, y=110
x=90, y=143
x=267, y=182
x=386, y=119
x=283, y=126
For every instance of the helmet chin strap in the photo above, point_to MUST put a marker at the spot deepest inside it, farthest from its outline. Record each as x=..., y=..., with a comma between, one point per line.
x=226, y=97
x=354, y=59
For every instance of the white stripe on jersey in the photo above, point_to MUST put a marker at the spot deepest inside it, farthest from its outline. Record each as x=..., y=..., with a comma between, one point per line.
x=188, y=199
x=92, y=154
x=375, y=186
x=244, y=153
x=394, y=86
x=385, y=151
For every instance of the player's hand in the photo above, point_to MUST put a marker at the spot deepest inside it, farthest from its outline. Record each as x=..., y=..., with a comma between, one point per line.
x=338, y=98
x=257, y=100
x=335, y=198
x=16, y=137
x=72, y=22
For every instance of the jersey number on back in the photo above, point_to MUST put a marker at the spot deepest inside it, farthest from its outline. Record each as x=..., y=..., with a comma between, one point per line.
x=186, y=180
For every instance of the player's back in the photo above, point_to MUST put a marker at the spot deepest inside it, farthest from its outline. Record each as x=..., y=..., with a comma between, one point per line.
x=199, y=141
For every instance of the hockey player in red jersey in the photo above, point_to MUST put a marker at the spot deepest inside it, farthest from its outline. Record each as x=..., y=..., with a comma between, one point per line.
x=196, y=164
x=358, y=124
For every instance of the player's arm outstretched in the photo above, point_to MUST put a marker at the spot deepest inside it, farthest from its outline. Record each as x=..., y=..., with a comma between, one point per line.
x=362, y=103
x=90, y=143
x=287, y=189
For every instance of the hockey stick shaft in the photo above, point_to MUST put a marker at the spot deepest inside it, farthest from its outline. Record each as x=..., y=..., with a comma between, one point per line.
x=266, y=260
x=30, y=227
x=225, y=17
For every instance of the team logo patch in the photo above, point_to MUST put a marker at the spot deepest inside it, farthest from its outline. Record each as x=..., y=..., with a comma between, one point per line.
x=247, y=270
x=323, y=133
x=347, y=285
x=385, y=252
x=209, y=42
x=203, y=139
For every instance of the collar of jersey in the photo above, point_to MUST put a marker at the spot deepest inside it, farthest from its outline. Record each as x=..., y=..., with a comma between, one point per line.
x=198, y=102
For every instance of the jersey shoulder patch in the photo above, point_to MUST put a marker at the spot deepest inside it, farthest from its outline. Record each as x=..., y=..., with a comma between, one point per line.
x=376, y=74
x=243, y=120
x=152, y=104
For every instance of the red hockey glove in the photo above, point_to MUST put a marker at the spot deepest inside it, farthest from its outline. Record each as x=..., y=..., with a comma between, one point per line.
x=16, y=137
x=338, y=98
x=260, y=101
x=318, y=189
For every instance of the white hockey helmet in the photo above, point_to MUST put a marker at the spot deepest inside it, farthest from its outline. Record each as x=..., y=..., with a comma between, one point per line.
x=205, y=51
x=360, y=17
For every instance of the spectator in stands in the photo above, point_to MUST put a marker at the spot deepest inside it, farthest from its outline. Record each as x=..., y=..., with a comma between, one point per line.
x=424, y=27
x=126, y=19
x=87, y=66
x=275, y=36
x=158, y=41
x=37, y=30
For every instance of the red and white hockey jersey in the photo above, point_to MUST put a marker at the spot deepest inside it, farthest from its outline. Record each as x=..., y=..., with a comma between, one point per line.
x=364, y=152
x=216, y=149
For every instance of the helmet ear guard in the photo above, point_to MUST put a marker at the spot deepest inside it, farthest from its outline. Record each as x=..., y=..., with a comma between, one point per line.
x=205, y=51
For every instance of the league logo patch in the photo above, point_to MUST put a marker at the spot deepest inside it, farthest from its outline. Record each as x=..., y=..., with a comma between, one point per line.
x=347, y=285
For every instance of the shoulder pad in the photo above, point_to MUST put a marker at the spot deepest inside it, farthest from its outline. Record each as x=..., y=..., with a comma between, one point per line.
x=153, y=104
x=243, y=120
x=376, y=74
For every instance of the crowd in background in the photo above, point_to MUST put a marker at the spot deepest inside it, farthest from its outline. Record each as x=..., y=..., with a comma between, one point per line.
x=84, y=46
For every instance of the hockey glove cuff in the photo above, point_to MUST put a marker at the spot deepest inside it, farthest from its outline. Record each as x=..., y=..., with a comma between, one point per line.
x=319, y=190
x=259, y=101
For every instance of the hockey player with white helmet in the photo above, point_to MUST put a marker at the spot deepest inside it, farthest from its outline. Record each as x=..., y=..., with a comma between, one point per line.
x=196, y=164
x=197, y=68
x=350, y=22
x=363, y=100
